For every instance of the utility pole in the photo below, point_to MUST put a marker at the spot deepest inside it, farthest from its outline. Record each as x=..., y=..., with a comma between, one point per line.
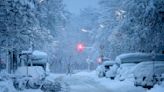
x=153, y=59
x=69, y=71
x=89, y=63
x=101, y=52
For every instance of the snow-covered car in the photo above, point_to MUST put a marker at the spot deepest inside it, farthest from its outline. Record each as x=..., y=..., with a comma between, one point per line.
x=132, y=58
x=147, y=74
x=104, y=67
x=127, y=61
x=138, y=57
x=30, y=77
x=125, y=71
x=112, y=72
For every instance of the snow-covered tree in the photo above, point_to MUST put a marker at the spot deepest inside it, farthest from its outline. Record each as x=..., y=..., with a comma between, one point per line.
x=31, y=24
x=131, y=26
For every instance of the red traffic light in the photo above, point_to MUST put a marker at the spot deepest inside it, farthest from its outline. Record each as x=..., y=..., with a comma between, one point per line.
x=80, y=47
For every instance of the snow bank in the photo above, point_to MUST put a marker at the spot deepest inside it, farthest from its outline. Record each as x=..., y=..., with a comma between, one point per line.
x=86, y=73
x=7, y=86
x=157, y=88
x=32, y=90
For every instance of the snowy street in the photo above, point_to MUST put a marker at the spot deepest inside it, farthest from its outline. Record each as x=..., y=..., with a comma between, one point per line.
x=86, y=82
x=81, y=45
x=82, y=83
x=89, y=82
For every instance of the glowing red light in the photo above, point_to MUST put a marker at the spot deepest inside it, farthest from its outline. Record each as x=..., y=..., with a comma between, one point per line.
x=80, y=47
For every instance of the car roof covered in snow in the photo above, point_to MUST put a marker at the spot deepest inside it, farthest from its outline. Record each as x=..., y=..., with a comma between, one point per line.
x=108, y=62
x=39, y=55
x=26, y=52
x=138, y=57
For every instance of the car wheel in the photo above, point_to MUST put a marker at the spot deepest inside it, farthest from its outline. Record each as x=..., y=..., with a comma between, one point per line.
x=112, y=78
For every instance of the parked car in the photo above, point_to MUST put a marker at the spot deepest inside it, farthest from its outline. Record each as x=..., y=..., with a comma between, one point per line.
x=112, y=72
x=104, y=67
x=147, y=74
x=125, y=71
x=29, y=77
x=129, y=60
x=138, y=57
x=32, y=70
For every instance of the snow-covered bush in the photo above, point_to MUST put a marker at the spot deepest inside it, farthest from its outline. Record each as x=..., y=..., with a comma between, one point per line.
x=7, y=86
x=4, y=89
x=157, y=88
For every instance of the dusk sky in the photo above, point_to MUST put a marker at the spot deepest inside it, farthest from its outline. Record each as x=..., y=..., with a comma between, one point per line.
x=74, y=6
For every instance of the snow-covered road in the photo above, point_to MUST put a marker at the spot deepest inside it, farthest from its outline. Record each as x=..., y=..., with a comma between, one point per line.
x=88, y=82
x=85, y=84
